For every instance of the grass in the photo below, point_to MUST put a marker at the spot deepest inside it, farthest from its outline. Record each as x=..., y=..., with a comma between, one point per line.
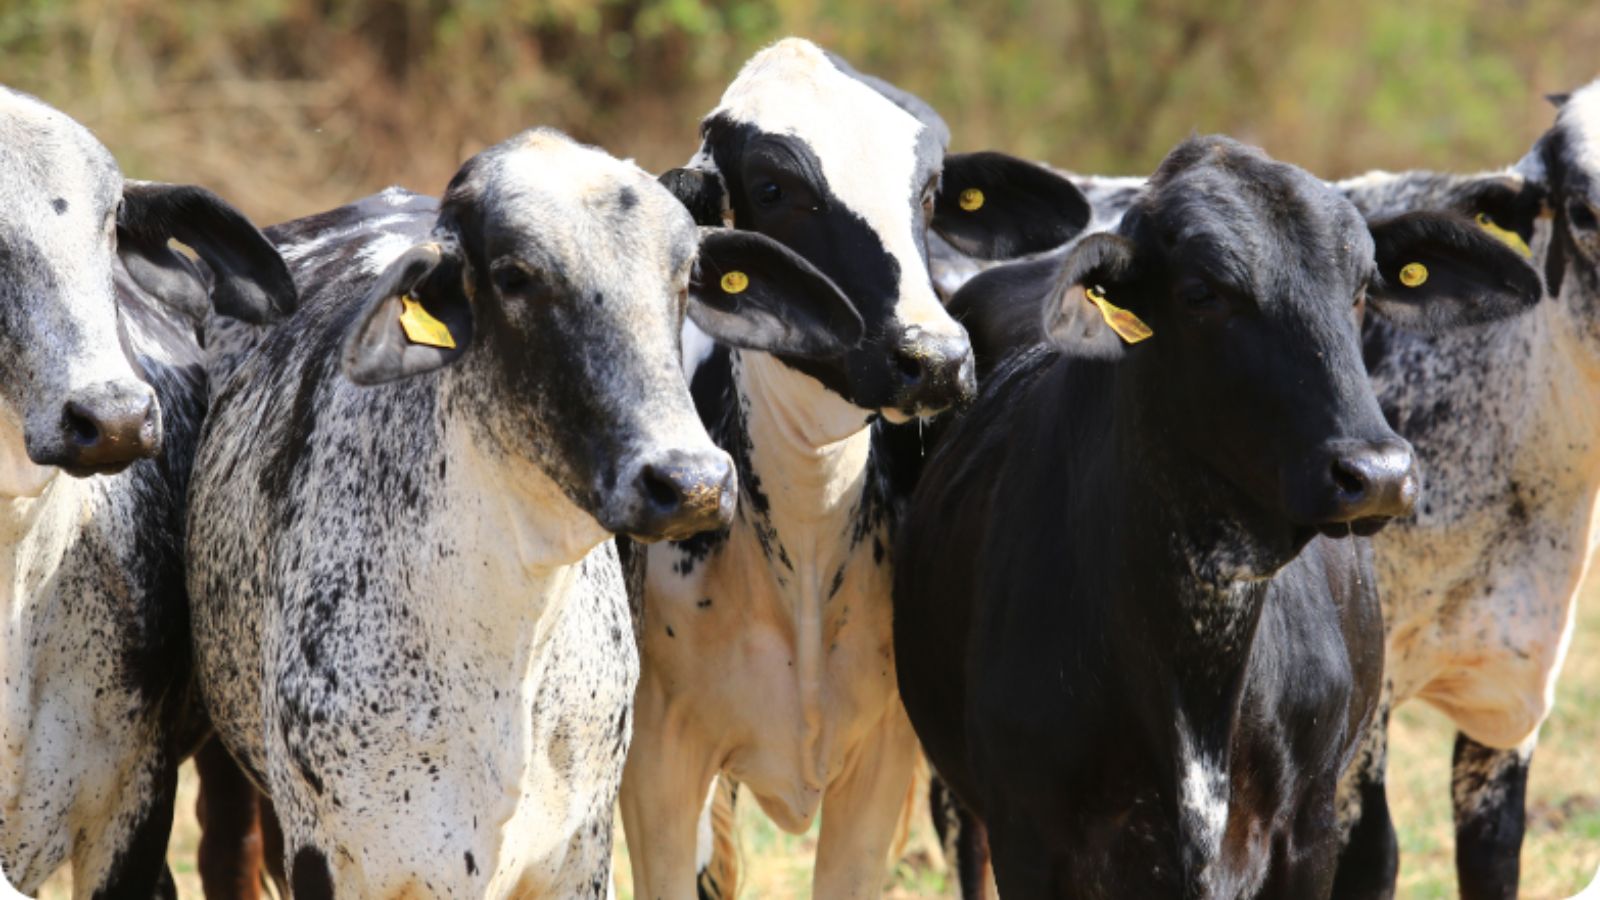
x=1560, y=856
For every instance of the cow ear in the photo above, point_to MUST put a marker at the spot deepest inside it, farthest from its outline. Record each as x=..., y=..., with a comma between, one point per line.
x=250, y=280
x=750, y=291
x=414, y=319
x=1101, y=263
x=994, y=206
x=700, y=191
x=1437, y=272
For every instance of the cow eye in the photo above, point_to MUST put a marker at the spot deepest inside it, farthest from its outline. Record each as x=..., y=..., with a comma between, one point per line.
x=1581, y=216
x=1201, y=300
x=510, y=278
x=767, y=194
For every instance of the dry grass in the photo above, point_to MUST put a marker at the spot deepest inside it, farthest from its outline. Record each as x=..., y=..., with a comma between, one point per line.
x=1560, y=857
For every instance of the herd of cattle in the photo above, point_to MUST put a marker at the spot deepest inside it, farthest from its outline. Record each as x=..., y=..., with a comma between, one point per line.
x=438, y=529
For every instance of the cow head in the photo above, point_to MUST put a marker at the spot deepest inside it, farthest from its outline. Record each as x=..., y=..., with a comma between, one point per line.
x=1247, y=273
x=850, y=172
x=69, y=391
x=560, y=278
x=1566, y=161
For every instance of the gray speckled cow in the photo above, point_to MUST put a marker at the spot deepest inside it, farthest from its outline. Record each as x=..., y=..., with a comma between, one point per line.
x=100, y=376
x=1479, y=588
x=411, y=626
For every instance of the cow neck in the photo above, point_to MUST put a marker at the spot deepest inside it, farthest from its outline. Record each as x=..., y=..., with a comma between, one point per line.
x=524, y=516
x=34, y=535
x=1197, y=596
x=1563, y=439
x=808, y=456
x=800, y=481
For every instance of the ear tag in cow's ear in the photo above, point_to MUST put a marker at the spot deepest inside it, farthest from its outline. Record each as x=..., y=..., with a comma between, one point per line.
x=971, y=200
x=1128, y=326
x=1413, y=274
x=735, y=282
x=1507, y=236
x=421, y=327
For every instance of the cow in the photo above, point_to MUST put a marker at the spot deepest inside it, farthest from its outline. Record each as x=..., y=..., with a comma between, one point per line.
x=1141, y=640
x=1479, y=586
x=765, y=647
x=101, y=394
x=411, y=627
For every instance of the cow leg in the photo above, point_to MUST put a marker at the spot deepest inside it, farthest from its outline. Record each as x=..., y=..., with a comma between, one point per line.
x=272, y=845
x=964, y=839
x=141, y=864
x=863, y=808
x=1369, y=861
x=663, y=790
x=230, y=834
x=1022, y=866
x=1489, y=790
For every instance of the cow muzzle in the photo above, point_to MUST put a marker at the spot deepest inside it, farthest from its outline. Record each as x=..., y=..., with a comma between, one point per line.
x=1357, y=486
x=932, y=372
x=673, y=495
x=99, y=430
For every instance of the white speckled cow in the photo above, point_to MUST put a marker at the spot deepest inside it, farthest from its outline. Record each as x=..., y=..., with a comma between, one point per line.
x=100, y=376
x=411, y=627
x=766, y=649
x=1479, y=588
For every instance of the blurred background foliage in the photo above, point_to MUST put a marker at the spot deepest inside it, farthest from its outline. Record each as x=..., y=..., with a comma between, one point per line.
x=289, y=106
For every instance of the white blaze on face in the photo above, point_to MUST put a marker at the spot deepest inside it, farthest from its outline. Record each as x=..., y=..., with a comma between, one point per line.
x=867, y=147
x=1582, y=111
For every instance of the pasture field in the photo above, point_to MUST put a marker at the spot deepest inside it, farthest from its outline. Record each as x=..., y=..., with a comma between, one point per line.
x=1559, y=859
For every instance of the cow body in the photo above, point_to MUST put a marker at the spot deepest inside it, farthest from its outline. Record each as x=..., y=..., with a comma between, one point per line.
x=1148, y=680
x=411, y=627
x=1479, y=586
x=103, y=379
x=1213, y=762
x=94, y=703
x=766, y=648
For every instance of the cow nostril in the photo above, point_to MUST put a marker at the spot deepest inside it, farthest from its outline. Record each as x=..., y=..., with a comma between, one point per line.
x=662, y=492
x=909, y=366
x=80, y=425
x=1348, y=479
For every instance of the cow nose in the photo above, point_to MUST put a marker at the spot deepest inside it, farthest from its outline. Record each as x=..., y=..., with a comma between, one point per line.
x=933, y=371
x=1372, y=483
x=106, y=427
x=680, y=493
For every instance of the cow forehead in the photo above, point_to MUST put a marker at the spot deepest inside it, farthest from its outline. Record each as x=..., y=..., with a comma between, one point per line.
x=1260, y=224
x=46, y=157
x=867, y=146
x=584, y=207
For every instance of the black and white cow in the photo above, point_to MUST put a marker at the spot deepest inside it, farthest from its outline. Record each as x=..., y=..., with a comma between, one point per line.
x=100, y=376
x=766, y=646
x=1479, y=587
x=411, y=627
x=1140, y=641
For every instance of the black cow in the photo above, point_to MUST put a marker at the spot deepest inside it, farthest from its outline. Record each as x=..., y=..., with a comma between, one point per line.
x=1138, y=639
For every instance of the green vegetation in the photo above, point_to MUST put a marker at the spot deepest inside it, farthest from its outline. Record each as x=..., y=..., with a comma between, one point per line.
x=294, y=105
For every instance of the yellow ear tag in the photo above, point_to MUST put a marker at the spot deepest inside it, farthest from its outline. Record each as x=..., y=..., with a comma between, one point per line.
x=1128, y=326
x=735, y=282
x=1507, y=236
x=971, y=200
x=1413, y=274
x=422, y=328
